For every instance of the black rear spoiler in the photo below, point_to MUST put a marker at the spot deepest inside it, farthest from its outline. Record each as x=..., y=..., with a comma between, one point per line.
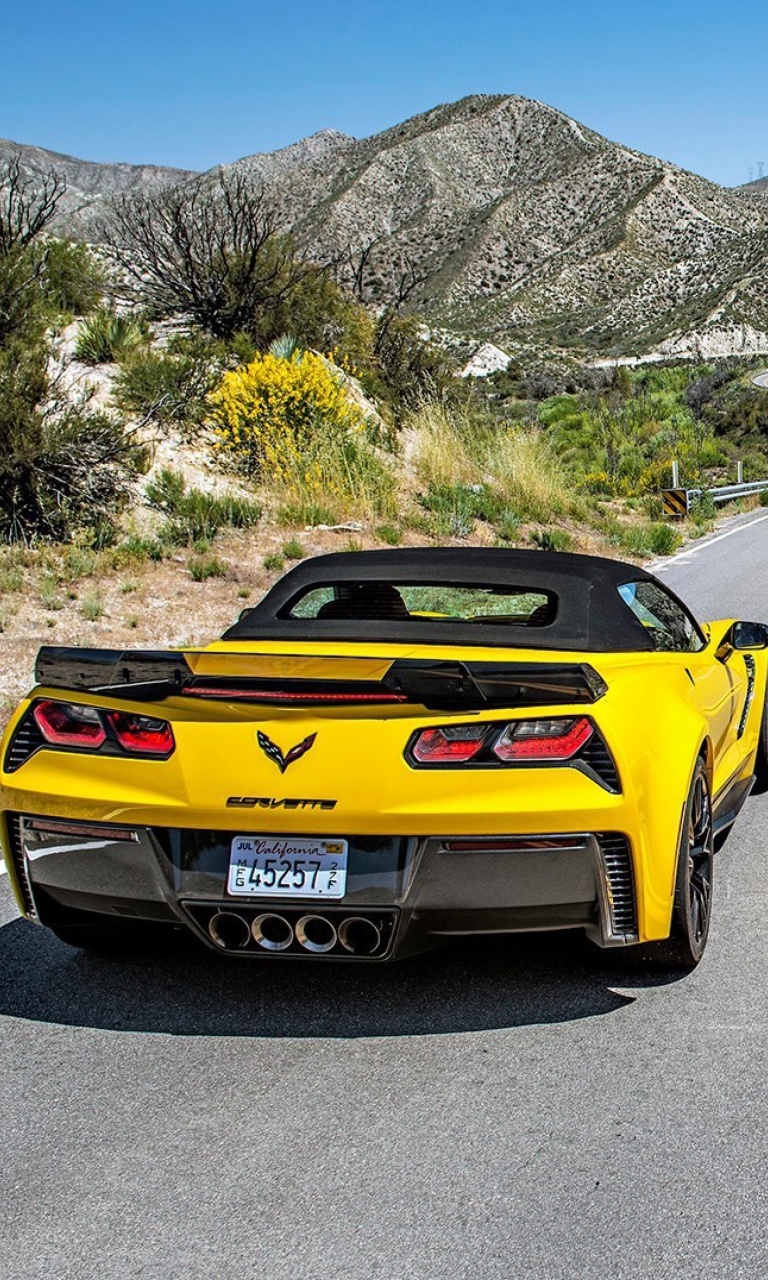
x=153, y=675
x=149, y=674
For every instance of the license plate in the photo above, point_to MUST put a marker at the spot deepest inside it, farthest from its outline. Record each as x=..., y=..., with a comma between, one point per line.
x=287, y=867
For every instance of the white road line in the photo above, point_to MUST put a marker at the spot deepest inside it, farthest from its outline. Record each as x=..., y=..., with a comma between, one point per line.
x=690, y=552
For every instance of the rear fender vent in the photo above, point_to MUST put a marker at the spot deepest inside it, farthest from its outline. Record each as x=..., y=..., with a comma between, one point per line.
x=13, y=827
x=618, y=887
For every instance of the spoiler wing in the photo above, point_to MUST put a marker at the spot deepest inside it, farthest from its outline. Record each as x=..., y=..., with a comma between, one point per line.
x=438, y=685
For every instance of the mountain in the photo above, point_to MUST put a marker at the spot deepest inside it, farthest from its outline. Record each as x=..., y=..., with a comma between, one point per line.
x=757, y=188
x=502, y=218
x=88, y=184
x=515, y=223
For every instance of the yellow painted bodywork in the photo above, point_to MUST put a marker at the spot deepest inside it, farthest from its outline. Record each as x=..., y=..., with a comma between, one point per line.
x=660, y=712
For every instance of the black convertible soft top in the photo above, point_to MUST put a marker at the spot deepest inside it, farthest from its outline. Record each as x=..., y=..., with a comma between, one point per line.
x=590, y=616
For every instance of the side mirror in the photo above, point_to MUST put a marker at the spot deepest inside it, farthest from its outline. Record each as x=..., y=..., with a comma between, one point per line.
x=749, y=635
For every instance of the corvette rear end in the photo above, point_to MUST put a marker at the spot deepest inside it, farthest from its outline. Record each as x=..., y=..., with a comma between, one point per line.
x=340, y=799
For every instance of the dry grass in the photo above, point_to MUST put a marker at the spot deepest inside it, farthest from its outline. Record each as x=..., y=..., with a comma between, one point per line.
x=516, y=462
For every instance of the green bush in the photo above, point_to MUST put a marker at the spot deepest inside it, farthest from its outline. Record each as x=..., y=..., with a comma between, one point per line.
x=507, y=527
x=191, y=514
x=274, y=562
x=411, y=369
x=170, y=386
x=105, y=336
x=456, y=507
x=11, y=579
x=293, y=550
x=202, y=567
x=552, y=539
x=63, y=468
x=389, y=533
x=72, y=280
x=21, y=309
x=663, y=539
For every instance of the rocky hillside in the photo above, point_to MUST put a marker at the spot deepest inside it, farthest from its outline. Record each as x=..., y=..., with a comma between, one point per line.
x=519, y=223
x=504, y=219
x=758, y=188
x=89, y=184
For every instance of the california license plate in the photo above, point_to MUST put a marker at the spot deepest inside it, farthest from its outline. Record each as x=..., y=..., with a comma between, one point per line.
x=287, y=867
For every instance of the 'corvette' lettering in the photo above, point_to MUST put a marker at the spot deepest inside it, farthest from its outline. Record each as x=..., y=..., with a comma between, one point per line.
x=271, y=802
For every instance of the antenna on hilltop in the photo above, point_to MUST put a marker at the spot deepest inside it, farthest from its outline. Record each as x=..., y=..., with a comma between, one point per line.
x=760, y=168
x=751, y=172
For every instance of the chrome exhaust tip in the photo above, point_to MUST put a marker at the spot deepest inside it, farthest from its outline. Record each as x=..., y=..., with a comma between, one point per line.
x=272, y=932
x=229, y=931
x=315, y=933
x=359, y=936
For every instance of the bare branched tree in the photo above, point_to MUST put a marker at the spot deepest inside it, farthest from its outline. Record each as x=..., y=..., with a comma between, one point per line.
x=212, y=249
x=28, y=202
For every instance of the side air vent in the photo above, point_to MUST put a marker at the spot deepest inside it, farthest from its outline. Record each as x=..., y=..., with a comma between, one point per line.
x=25, y=742
x=596, y=756
x=13, y=826
x=619, y=884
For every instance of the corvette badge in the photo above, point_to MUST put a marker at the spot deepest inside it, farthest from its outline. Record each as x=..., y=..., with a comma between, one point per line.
x=274, y=753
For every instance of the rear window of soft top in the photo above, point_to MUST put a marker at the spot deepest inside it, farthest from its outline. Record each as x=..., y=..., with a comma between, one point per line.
x=414, y=602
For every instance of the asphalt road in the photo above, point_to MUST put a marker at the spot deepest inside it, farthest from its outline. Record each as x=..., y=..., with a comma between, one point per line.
x=514, y=1109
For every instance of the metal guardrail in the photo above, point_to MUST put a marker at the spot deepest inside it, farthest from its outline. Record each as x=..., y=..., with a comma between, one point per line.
x=677, y=502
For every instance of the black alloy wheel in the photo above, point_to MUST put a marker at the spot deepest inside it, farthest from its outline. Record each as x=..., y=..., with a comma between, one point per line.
x=692, y=907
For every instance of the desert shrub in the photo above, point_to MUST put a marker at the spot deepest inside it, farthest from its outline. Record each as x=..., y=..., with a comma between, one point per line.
x=702, y=507
x=274, y=562
x=21, y=311
x=203, y=567
x=105, y=336
x=552, y=539
x=293, y=422
x=389, y=533
x=293, y=550
x=64, y=467
x=508, y=527
x=191, y=514
x=92, y=607
x=72, y=280
x=663, y=539
x=268, y=412
x=411, y=369
x=457, y=507
x=170, y=386
x=11, y=579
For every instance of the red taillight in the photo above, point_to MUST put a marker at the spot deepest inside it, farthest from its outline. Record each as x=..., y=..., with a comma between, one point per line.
x=558, y=739
x=142, y=734
x=452, y=744
x=67, y=724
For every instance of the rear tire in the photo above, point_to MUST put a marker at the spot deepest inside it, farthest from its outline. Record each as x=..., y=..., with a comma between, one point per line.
x=692, y=905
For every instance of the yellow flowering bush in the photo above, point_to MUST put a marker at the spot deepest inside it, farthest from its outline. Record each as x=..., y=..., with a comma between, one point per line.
x=290, y=421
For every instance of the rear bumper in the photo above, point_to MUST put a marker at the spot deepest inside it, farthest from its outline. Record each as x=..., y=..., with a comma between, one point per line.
x=417, y=891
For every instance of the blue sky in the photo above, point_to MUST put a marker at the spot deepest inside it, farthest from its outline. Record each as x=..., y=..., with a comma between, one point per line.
x=195, y=83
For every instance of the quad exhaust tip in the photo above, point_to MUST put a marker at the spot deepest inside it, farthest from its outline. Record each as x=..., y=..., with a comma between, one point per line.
x=315, y=933
x=229, y=931
x=272, y=932
x=359, y=936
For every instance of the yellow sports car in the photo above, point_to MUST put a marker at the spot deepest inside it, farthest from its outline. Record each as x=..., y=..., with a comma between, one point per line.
x=392, y=749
